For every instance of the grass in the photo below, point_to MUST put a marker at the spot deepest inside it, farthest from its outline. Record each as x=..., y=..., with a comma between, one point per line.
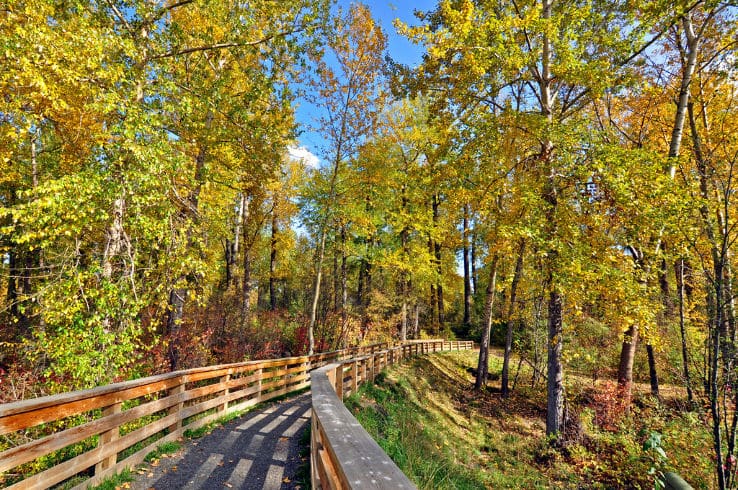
x=165, y=448
x=444, y=435
x=116, y=481
x=112, y=483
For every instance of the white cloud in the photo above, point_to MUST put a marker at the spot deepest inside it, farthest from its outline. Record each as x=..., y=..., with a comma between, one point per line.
x=304, y=155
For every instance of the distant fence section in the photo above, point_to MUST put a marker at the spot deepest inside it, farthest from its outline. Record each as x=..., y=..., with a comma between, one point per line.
x=96, y=433
x=342, y=454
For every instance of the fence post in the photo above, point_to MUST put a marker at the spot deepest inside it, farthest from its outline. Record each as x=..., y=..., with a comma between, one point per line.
x=260, y=373
x=107, y=437
x=177, y=408
x=224, y=380
x=354, y=377
x=339, y=381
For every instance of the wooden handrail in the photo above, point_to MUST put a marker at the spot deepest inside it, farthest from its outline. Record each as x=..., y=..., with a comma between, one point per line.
x=159, y=408
x=342, y=454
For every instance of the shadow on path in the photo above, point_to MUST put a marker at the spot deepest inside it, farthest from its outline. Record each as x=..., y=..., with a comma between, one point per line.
x=259, y=450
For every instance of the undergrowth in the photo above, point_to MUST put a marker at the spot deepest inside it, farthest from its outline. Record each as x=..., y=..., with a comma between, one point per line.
x=442, y=434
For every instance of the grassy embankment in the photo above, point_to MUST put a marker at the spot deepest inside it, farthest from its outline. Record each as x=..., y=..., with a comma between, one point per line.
x=442, y=434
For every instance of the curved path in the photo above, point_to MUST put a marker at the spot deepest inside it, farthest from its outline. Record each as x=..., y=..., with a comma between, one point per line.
x=259, y=450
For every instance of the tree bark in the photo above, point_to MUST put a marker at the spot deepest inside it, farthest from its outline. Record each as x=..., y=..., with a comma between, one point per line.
x=246, y=288
x=467, y=271
x=344, y=281
x=683, y=100
x=483, y=364
x=555, y=373
x=11, y=293
x=273, y=262
x=403, y=313
x=316, y=294
x=683, y=330
x=439, y=268
x=246, y=285
x=625, y=367
x=474, y=263
x=653, y=376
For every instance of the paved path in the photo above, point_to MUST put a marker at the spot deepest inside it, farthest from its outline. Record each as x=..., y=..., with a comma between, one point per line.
x=258, y=450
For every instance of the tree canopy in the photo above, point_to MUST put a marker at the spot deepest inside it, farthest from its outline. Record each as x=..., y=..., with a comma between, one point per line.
x=556, y=178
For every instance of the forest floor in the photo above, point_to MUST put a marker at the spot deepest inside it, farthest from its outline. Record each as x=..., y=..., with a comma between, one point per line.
x=427, y=417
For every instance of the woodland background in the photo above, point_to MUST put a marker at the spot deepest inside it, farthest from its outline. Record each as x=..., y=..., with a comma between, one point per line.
x=556, y=176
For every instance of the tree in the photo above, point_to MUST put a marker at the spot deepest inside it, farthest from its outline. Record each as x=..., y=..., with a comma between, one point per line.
x=548, y=46
x=349, y=96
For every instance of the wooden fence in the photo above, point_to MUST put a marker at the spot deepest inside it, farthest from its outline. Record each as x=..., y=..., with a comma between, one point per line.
x=96, y=433
x=342, y=454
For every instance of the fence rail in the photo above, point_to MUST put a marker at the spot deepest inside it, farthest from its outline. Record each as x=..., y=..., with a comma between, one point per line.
x=342, y=454
x=106, y=429
x=96, y=433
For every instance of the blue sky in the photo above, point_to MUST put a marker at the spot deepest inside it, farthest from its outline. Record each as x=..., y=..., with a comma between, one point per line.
x=399, y=48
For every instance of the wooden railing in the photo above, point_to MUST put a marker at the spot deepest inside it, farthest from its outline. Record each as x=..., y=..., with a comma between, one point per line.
x=112, y=427
x=342, y=454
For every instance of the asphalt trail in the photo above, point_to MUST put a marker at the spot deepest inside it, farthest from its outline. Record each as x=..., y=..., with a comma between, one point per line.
x=258, y=450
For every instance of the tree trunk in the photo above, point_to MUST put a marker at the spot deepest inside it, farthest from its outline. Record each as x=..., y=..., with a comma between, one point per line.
x=555, y=385
x=625, y=367
x=404, y=279
x=439, y=269
x=403, y=313
x=666, y=298
x=232, y=247
x=246, y=288
x=174, y=325
x=483, y=364
x=467, y=271
x=344, y=282
x=474, y=263
x=510, y=321
x=273, y=263
x=555, y=373
x=246, y=285
x=434, y=311
x=714, y=374
x=178, y=295
x=316, y=294
x=113, y=238
x=360, y=283
x=367, y=296
x=683, y=330
x=652, y=371
x=683, y=100
x=11, y=293
x=336, y=279
x=729, y=302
